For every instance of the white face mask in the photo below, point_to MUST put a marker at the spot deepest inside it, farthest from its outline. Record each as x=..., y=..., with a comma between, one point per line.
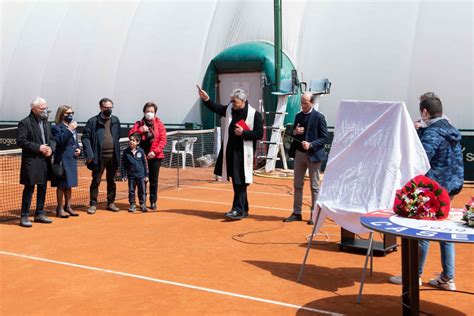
x=149, y=116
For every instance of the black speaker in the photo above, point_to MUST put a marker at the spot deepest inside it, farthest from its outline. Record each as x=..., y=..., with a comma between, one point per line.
x=350, y=241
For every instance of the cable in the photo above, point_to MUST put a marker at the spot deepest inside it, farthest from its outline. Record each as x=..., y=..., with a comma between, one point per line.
x=241, y=235
x=455, y=291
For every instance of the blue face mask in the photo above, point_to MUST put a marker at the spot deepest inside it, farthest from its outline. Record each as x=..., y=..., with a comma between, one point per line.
x=68, y=118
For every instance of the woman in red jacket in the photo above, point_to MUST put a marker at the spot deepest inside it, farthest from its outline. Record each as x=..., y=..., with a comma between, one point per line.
x=153, y=142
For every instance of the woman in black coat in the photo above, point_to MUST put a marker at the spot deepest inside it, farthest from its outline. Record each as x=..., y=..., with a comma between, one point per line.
x=67, y=151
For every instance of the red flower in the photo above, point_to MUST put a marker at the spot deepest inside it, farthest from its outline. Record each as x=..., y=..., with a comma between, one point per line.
x=422, y=198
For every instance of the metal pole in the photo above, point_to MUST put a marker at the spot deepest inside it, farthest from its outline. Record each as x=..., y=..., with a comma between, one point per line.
x=369, y=253
x=300, y=275
x=277, y=21
x=179, y=154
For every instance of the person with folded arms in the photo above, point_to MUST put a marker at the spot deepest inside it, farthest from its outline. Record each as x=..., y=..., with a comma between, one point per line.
x=242, y=128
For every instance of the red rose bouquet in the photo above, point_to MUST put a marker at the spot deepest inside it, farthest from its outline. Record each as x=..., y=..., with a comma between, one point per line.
x=422, y=198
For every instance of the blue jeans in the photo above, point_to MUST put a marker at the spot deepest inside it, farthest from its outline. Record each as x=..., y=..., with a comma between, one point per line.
x=447, y=257
x=134, y=182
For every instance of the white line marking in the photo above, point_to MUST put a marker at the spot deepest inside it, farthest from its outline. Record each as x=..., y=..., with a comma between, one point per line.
x=230, y=190
x=204, y=289
x=223, y=203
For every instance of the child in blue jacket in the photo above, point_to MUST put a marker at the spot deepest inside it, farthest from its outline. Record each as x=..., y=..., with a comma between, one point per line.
x=135, y=169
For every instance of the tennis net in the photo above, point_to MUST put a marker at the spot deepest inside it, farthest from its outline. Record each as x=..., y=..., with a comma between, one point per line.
x=189, y=155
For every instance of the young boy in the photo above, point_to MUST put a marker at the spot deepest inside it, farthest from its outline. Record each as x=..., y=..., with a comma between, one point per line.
x=134, y=166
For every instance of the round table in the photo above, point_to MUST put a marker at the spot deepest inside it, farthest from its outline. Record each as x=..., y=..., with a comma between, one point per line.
x=452, y=229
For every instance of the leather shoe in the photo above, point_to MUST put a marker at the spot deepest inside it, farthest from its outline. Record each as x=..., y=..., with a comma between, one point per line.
x=310, y=222
x=25, y=222
x=70, y=211
x=42, y=219
x=91, y=210
x=112, y=207
x=236, y=215
x=153, y=206
x=60, y=213
x=293, y=218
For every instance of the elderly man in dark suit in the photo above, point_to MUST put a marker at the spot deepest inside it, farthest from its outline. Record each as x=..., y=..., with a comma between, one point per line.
x=34, y=138
x=310, y=135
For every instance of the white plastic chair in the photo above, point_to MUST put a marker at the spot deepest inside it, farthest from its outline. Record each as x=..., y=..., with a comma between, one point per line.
x=188, y=149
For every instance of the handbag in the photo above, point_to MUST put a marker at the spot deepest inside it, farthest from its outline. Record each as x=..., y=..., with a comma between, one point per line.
x=58, y=170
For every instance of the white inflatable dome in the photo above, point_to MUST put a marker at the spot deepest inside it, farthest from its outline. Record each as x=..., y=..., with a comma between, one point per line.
x=76, y=52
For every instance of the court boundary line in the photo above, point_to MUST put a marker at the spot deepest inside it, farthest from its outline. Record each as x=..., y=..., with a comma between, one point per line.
x=225, y=203
x=178, y=284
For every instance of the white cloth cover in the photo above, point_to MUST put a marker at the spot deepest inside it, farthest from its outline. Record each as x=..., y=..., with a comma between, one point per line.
x=375, y=151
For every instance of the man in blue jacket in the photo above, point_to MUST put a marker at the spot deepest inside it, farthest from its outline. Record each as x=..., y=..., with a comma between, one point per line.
x=310, y=135
x=101, y=147
x=442, y=143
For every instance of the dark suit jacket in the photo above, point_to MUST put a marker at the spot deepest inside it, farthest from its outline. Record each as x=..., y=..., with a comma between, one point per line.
x=93, y=137
x=316, y=134
x=34, y=166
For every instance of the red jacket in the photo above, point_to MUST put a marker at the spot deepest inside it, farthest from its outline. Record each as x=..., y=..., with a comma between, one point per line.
x=159, y=141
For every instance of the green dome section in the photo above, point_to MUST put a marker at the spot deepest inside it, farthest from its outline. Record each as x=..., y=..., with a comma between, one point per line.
x=249, y=57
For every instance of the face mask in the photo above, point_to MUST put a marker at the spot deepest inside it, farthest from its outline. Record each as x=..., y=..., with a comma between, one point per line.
x=149, y=116
x=107, y=113
x=68, y=118
x=44, y=115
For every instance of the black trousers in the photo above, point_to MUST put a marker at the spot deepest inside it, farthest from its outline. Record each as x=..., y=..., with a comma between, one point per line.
x=240, y=203
x=153, y=175
x=110, y=165
x=134, y=182
x=27, y=196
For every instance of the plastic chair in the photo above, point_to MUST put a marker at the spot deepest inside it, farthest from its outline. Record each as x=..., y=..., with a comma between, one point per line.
x=322, y=86
x=286, y=87
x=188, y=144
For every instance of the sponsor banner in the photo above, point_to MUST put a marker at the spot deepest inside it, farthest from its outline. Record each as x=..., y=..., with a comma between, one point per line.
x=8, y=137
x=467, y=144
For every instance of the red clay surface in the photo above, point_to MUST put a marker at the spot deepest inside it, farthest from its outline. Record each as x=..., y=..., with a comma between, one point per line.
x=188, y=242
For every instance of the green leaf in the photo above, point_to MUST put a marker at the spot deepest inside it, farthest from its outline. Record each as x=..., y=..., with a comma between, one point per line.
x=438, y=192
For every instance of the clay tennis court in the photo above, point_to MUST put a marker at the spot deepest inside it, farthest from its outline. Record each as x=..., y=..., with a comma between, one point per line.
x=186, y=259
